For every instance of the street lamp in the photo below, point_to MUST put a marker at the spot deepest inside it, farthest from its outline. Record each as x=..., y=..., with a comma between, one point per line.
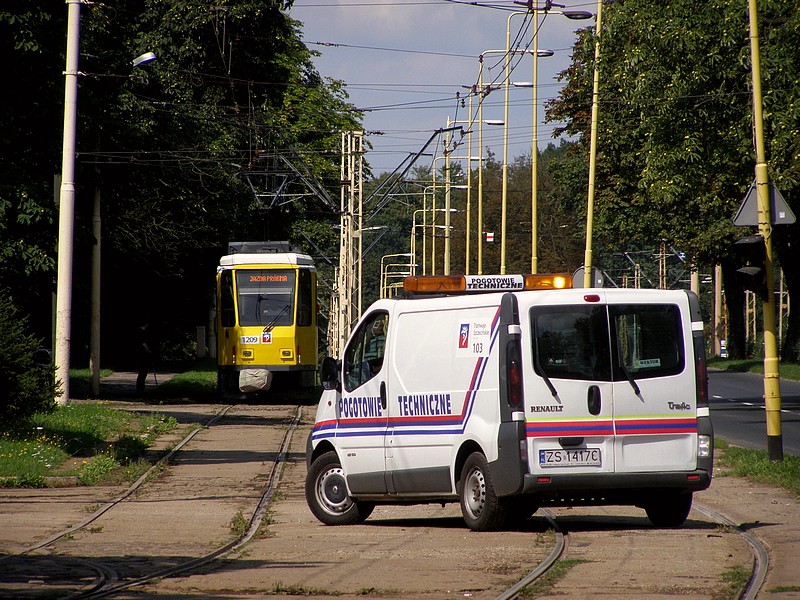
x=535, y=11
x=413, y=244
x=470, y=158
x=569, y=14
x=484, y=92
x=587, y=257
x=66, y=208
x=447, y=189
x=385, y=266
x=772, y=390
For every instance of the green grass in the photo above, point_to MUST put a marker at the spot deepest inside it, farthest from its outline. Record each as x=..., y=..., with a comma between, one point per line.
x=756, y=466
x=91, y=442
x=200, y=382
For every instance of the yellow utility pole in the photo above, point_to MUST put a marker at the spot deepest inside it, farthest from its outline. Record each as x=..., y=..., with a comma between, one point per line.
x=587, y=257
x=772, y=389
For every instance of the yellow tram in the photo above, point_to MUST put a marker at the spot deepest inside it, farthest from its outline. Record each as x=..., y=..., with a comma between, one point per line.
x=266, y=319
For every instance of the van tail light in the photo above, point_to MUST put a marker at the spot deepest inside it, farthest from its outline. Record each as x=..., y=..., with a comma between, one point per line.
x=514, y=375
x=514, y=381
x=700, y=373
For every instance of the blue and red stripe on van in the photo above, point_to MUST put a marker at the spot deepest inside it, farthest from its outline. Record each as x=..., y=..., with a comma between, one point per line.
x=444, y=424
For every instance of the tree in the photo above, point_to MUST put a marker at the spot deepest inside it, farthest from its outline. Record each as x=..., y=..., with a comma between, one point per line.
x=674, y=152
x=181, y=152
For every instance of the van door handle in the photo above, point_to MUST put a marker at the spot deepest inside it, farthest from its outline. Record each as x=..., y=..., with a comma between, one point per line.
x=383, y=395
x=593, y=400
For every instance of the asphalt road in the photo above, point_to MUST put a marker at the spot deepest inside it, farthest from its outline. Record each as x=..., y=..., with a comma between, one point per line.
x=738, y=413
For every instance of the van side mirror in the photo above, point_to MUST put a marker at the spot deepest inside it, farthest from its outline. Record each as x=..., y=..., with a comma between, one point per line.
x=329, y=373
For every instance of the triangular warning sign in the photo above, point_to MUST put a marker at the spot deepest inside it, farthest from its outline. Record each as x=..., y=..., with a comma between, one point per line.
x=779, y=210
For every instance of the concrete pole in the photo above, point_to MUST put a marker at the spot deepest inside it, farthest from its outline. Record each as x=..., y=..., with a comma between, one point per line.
x=94, y=338
x=66, y=209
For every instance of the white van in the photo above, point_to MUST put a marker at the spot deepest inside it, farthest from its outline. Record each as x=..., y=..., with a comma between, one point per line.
x=510, y=393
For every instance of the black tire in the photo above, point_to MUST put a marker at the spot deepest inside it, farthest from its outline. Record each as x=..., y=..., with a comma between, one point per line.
x=669, y=511
x=518, y=509
x=480, y=506
x=326, y=493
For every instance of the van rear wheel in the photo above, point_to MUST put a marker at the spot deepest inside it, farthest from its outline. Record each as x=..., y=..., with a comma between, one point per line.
x=480, y=506
x=326, y=493
x=670, y=510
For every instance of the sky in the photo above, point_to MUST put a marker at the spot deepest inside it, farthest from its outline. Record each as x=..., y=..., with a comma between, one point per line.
x=405, y=61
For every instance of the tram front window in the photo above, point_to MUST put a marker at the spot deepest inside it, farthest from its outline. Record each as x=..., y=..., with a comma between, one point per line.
x=266, y=297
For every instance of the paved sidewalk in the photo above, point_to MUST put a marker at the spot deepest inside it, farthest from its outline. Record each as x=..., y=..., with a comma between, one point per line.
x=121, y=385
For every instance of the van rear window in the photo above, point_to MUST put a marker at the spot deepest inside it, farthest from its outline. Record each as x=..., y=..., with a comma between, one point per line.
x=571, y=342
x=595, y=343
x=648, y=338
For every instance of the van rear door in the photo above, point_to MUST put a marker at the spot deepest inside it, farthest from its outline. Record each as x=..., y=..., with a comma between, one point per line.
x=655, y=404
x=569, y=392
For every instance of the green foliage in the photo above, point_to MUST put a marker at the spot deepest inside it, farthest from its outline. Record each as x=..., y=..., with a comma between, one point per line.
x=92, y=442
x=757, y=466
x=25, y=387
x=180, y=153
x=675, y=130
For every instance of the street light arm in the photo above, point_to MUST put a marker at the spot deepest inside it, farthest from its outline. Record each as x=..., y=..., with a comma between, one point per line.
x=384, y=199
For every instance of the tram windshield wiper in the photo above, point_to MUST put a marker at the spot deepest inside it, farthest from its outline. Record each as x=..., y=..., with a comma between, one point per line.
x=268, y=327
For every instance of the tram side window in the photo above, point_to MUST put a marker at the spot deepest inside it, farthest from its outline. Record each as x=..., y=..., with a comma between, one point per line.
x=571, y=342
x=649, y=339
x=227, y=306
x=363, y=358
x=305, y=298
x=266, y=297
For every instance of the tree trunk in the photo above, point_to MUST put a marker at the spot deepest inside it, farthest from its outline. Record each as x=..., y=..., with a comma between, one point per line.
x=734, y=300
x=787, y=239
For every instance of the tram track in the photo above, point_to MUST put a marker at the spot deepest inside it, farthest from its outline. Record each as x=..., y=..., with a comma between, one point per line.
x=561, y=543
x=111, y=587
x=104, y=579
x=572, y=532
x=126, y=494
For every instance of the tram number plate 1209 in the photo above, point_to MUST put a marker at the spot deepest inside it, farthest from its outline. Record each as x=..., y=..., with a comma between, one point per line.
x=581, y=457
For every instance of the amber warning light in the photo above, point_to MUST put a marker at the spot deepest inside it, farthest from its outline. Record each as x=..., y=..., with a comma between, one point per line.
x=455, y=284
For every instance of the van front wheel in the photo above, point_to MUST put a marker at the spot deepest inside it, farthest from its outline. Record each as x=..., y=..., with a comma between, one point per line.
x=326, y=493
x=482, y=509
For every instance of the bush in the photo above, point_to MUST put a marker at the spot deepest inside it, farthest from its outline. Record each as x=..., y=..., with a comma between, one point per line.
x=26, y=387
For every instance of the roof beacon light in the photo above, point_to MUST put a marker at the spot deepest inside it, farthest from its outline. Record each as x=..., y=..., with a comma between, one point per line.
x=457, y=284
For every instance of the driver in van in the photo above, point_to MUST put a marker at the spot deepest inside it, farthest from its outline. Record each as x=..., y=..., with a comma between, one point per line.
x=373, y=351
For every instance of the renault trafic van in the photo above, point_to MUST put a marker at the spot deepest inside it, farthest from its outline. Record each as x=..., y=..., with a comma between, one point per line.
x=510, y=393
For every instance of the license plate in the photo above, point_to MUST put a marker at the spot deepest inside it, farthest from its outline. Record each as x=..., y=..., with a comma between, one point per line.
x=580, y=457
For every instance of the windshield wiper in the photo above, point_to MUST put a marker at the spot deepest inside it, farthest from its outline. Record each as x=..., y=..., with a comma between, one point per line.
x=268, y=327
x=631, y=380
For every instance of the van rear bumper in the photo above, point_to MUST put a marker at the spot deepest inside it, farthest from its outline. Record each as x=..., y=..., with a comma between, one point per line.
x=612, y=488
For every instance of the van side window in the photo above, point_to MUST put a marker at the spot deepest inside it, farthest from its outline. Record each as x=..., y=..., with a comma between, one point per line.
x=363, y=358
x=649, y=339
x=571, y=342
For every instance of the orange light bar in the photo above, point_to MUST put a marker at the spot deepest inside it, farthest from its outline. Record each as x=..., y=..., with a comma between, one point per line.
x=434, y=284
x=551, y=281
x=454, y=284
